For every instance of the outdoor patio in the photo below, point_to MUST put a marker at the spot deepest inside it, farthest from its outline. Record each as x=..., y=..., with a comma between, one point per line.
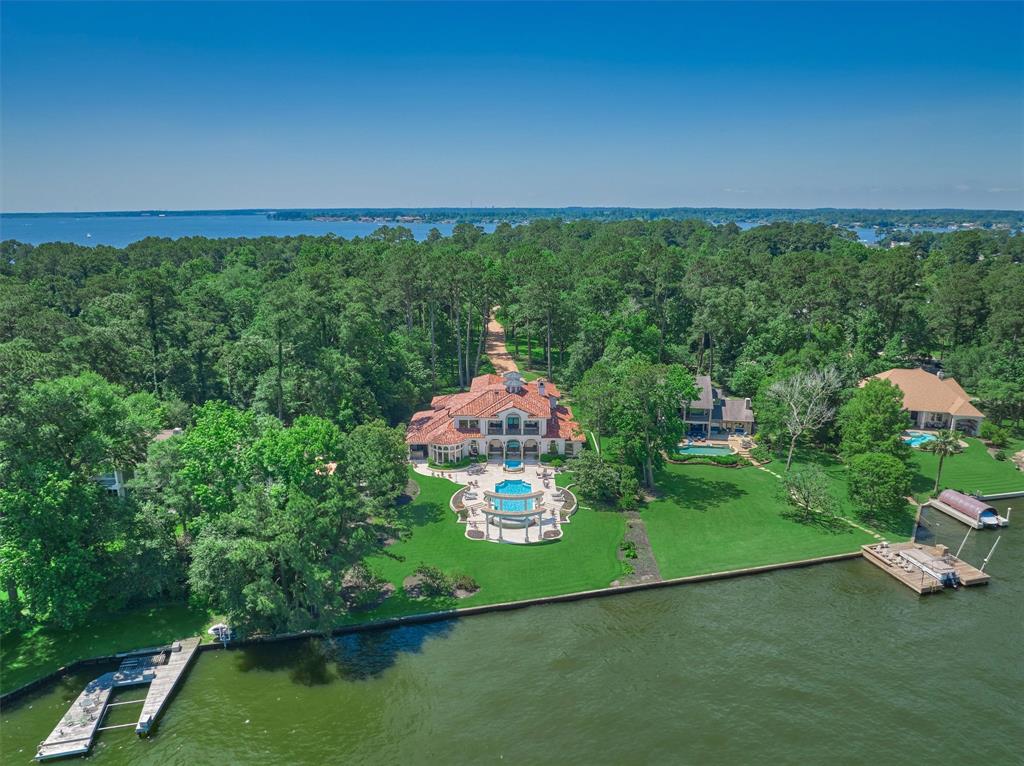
x=553, y=505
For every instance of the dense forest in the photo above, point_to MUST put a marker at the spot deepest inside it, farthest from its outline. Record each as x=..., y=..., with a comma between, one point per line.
x=292, y=363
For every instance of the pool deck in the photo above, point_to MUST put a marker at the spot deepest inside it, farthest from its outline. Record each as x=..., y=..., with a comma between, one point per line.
x=557, y=513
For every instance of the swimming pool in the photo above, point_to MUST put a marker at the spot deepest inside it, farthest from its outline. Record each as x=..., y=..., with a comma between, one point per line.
x=916, y=438
x=513, y=487
x=691, y=450
x=514, y=466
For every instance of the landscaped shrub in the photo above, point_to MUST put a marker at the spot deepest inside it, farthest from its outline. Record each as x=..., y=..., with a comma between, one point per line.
x=555, y=460
x=464, y=582
x=994, y=435
x=761, y=454
x=458, y=463
x=1001, y=455
x=628, y=548
x=729, y=460
x=433, y=582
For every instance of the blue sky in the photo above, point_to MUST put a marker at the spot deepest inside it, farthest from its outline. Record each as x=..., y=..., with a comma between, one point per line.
x=184, y=106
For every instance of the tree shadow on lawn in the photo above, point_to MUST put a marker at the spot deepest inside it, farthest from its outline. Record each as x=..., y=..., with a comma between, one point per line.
x=422, y=513
x=920, y=484
x=354, y=656
x=900, y=523
x=833, y=525
x=698, y=492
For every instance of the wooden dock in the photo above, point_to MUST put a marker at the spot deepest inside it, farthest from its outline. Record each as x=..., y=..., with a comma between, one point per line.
x=166, y=679
x=888, y=558
x=77, y=730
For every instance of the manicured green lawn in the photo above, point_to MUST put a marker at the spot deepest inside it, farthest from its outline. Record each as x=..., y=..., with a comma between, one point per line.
x=583, y=559
x=40, y=650
x=972, y=471
x=710, y=519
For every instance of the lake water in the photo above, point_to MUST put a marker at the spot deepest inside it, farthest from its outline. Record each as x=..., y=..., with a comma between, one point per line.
x=123, y=230
x=836, y=664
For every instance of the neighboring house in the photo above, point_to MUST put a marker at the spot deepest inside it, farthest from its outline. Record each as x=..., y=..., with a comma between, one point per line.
x=114, y=481
x=501, y=416
x=728, y=415
x=934, y=401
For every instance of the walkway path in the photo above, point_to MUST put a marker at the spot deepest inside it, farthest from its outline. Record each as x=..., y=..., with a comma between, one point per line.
x=495, y=346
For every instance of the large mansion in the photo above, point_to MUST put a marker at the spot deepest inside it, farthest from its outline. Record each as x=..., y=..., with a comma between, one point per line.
x=501, y=416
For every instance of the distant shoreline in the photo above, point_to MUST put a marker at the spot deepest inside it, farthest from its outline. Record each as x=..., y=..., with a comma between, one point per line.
x=854, y=217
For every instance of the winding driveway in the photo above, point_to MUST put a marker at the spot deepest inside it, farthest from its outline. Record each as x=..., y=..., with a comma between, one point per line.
x=495, y=347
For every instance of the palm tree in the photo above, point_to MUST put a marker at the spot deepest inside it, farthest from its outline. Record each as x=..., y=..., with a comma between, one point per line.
x=945, y=443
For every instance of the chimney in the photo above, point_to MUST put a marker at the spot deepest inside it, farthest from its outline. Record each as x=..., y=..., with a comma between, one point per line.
x=746, y=403
x=541, y=388
x=940, y=375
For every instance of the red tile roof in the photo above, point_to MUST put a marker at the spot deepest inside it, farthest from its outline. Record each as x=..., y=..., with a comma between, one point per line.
x=488, y=398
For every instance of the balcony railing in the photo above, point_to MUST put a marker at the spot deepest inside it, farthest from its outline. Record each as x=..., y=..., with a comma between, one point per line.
x=531, y=430
x=514, y=430
x=494, y=430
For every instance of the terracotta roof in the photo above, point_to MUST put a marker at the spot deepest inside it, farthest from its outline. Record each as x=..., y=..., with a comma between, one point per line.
x=488, y=398
x=924, y=392
x=562, y=425
x=490, y=402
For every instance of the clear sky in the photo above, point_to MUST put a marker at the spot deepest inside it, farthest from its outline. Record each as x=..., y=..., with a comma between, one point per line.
x=184, y=106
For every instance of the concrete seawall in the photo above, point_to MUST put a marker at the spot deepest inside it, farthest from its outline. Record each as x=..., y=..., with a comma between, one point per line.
x=437, y=616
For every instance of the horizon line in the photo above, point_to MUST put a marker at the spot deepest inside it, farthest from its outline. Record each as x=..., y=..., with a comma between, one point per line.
x=390, y=208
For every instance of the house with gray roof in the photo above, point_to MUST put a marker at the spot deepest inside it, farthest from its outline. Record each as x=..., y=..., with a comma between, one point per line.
x=713, y=414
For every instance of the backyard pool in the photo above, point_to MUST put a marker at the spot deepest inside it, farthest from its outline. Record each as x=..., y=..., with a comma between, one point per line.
x=916, y=438
x=514, y=465
x=513, y=487
x=691, y=450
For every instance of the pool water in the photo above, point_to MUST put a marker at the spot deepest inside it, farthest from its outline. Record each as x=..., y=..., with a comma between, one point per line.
x=916, y=440
x=703, y=450
x=513, y=487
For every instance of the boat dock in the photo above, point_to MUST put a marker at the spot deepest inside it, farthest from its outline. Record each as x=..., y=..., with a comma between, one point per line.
x=76, y=731
x=166, y=679
x=1001, y=521
x=923, y=568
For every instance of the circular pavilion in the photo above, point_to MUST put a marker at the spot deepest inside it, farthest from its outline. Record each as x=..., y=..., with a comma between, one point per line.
x=513, y=511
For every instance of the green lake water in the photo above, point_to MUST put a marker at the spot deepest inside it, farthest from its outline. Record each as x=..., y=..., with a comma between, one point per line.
x=834, y=664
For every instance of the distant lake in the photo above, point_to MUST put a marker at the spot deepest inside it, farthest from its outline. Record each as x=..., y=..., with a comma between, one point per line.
x=122, y=230
x=868, y=236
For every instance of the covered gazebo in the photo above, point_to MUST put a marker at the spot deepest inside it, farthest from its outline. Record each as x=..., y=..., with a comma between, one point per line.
x=503, y=518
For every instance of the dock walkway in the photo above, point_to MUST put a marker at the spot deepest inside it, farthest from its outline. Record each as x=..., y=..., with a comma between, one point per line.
x=164, y=682
x=77, y=729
